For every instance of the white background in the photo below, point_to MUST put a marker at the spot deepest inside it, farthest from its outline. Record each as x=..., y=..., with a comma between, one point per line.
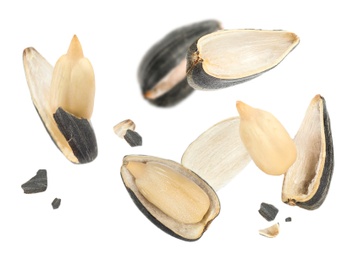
x=97, y=219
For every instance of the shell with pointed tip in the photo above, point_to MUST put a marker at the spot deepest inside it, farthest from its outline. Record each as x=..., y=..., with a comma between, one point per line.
x=162, y=71
x=307, y=181
x=228, y=57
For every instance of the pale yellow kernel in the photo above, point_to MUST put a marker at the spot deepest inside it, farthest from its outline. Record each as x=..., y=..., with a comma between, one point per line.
x=174, y=194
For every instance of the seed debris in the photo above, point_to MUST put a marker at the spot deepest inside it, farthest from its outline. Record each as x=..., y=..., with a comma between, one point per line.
x=56, y=203
x=36, y=184
x=133, y=138
x=268, y=211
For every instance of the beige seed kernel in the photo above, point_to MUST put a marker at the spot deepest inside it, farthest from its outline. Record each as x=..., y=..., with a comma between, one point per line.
x=267, y=141
x=172, y=193
x=73, y=83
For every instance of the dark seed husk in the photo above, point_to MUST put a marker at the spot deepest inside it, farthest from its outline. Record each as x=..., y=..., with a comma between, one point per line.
x=268, y=211
x=166, y=55
x=133, y=138
x=79, y=135
x=36, y=184
x=56, y=203
x=198, y=79
x=315, y=144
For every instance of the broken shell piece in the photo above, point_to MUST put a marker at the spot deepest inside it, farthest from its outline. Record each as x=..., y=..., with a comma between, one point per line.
x=162, y=71
x=171, y=196
x=266, y=140
x=229, y=57
x=66, y=93
x=56, y=203
x=307, y=181
x=121, y=128
x=268, y=211
x=218, y=154
x=36, y=184
x=271, y=231
x=133, y=138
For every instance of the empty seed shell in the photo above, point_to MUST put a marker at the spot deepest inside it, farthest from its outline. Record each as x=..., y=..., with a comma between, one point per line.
x=267, y=141
x=171, y=196
x=228, y=57
x=307, y=181
x=218, y=154
x=162, y=71
x=63, y=98
x=271, y=231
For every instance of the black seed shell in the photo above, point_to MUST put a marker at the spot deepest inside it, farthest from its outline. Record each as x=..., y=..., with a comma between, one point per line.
x=165, y=55
x=320, y=196
x=36, y=184
x=268, y=211
x=198, y=79
x=79, y=135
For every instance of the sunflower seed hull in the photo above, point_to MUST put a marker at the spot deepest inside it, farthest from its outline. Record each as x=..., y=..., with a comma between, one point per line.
x=268, y=211
x=160, y=84
x=56, y=203
x=133, y=138
x=79, y=135
x=36, y=184
x=307, y=181
x=218, y=154
x=198, y=79
x=228, y=57
x=324, y=186
x=135, y=171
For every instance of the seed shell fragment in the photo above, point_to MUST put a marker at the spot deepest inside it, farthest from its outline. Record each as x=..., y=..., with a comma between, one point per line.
x=228, y=57
x=218, y=154
x=171, y=196
x=36, y=184
x=307, y=181
x=268, y=211
x=162, y=71
x=56, y=203
x=121, y=128
x=133, y=138
x=271, y=231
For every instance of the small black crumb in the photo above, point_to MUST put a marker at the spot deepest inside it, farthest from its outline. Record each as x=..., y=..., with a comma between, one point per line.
x=289, y=219
x=268, y=211
x=36, y=184
x=56, y=203
x=133, y=138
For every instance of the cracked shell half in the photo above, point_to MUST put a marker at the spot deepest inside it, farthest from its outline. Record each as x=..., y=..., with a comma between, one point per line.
x=171, y=196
